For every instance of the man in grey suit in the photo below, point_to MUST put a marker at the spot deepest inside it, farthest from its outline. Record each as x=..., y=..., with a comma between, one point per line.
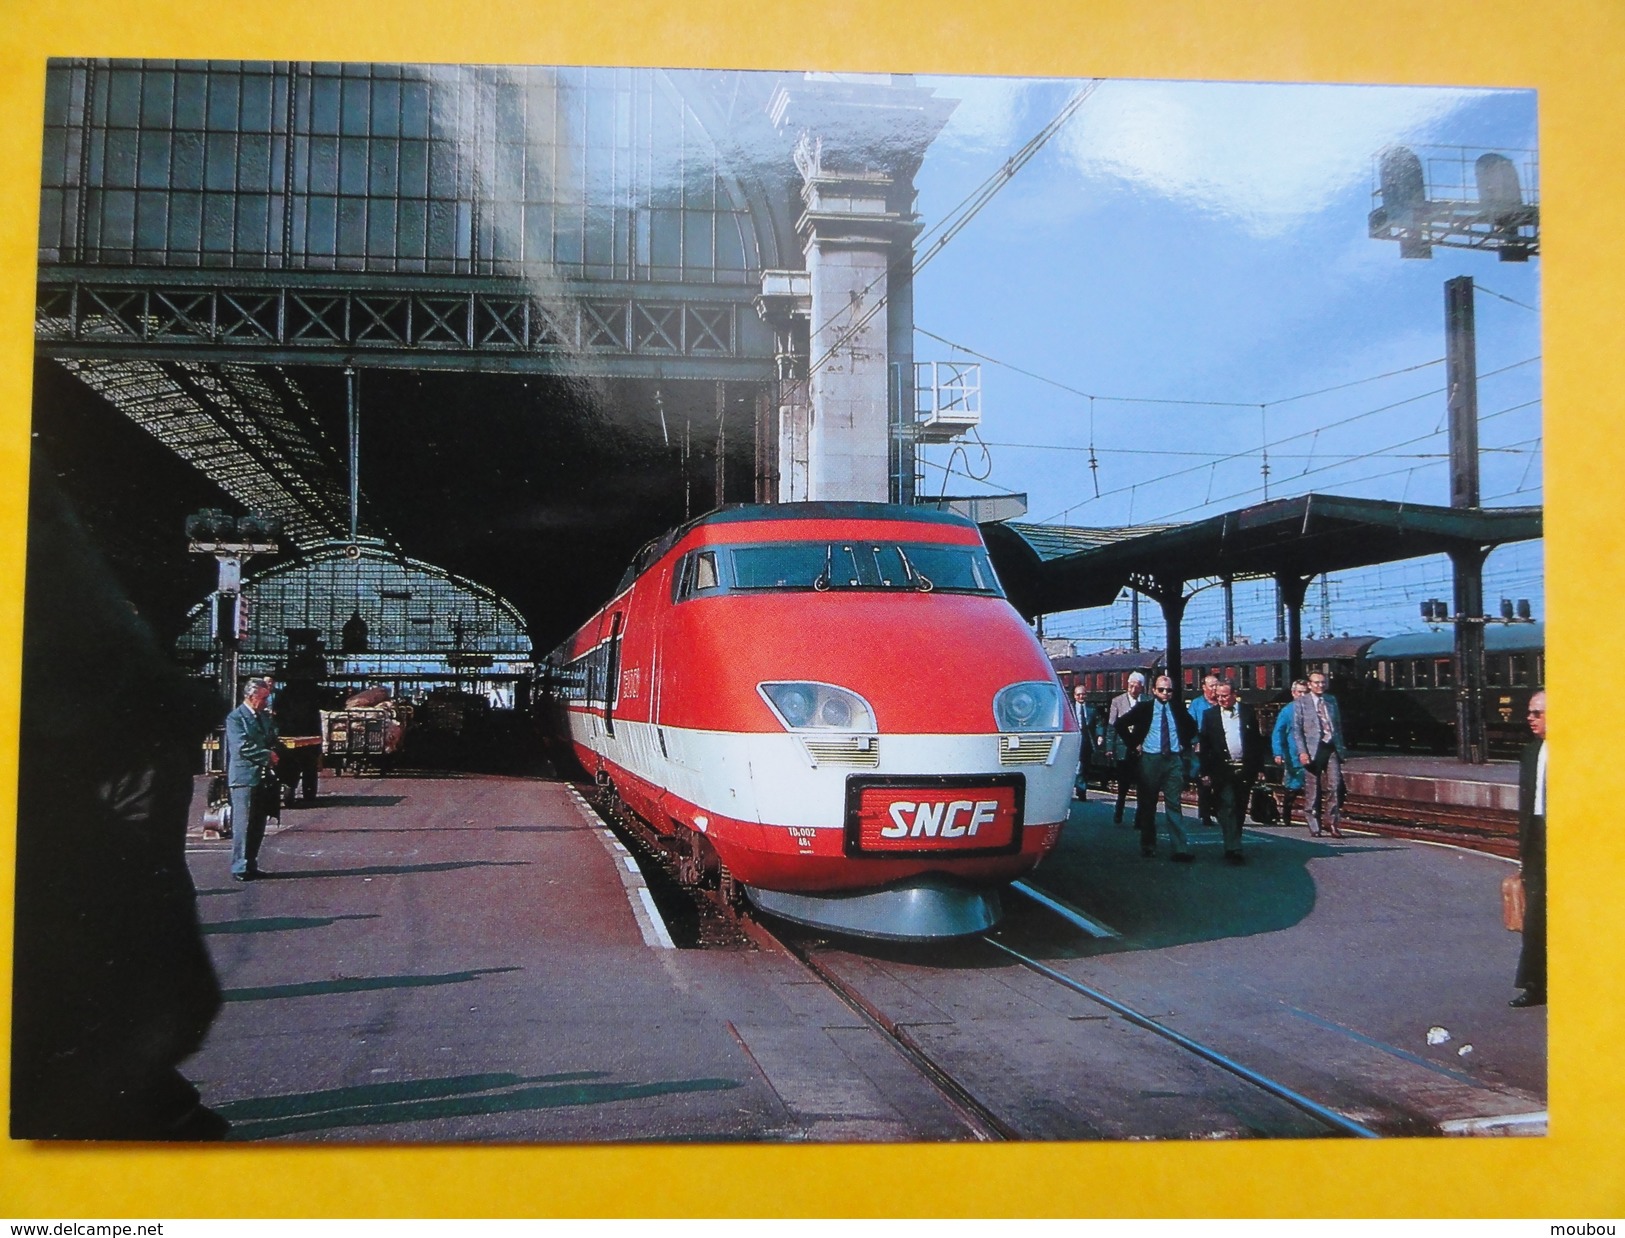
x=1317, y=742
x=250, y=743
x=1127, y=759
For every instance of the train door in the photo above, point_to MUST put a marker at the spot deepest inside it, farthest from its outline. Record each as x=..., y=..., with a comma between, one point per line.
x=612, y=671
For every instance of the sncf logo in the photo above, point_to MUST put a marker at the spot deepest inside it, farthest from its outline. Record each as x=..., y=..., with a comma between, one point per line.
x=916, y=819
x=954, y=819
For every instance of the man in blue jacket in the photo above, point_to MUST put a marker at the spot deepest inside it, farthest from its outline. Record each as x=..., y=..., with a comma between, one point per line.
x=1281, y=746
x=251, y=738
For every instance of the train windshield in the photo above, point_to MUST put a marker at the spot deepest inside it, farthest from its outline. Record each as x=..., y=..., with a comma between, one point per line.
x=862, y=565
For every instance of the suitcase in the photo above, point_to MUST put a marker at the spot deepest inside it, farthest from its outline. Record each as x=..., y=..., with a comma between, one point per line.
x=1512, y=902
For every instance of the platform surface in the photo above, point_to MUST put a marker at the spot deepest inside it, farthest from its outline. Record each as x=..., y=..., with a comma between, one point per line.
x=472, y=958
x=1433, y=780
x=458, y=958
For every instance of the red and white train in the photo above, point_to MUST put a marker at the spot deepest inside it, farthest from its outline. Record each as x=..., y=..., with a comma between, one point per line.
x=831, y=705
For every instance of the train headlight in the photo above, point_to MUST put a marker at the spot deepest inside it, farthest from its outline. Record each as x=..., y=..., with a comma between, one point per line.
x=817, y=706
x=1029, y=707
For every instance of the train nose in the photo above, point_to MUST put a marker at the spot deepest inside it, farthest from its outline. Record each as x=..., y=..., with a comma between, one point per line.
x=923, y=909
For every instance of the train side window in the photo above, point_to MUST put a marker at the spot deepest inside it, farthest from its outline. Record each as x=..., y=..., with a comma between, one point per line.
x=1520, y=670
x=679, y=578
x=1495, y=669
x=1444, y=672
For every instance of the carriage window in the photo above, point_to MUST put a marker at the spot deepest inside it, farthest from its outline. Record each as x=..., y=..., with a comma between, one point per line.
x=1444, y=672
x=1520, y=670
x=1495, y=670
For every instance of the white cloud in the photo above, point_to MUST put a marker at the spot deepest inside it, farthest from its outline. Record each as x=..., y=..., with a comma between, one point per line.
x=1266, y=155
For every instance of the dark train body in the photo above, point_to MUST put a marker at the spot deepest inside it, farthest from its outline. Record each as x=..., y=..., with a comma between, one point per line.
x=1397, y=692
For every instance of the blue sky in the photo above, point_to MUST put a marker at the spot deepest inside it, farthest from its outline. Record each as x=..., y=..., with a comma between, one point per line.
x=1205, y=244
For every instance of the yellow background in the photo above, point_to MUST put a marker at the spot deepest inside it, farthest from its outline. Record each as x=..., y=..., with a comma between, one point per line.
x=1571, y=52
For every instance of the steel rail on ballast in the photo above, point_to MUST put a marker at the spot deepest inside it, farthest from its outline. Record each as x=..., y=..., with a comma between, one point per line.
x=1317, y=1111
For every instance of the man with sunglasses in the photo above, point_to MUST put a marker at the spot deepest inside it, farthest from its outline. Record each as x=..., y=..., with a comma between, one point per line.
x=1161, y=733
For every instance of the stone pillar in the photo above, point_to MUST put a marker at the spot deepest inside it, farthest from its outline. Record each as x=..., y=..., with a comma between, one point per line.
x=784, y=304
x=858, y=142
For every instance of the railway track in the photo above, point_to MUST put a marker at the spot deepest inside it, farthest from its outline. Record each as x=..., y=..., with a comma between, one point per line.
x=1489, y=830
x=1181, y=1087
x=985, y=1120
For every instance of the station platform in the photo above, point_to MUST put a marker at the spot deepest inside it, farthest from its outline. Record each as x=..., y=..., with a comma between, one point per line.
x=457, y=957
x=450, y=957
x=1433, y=781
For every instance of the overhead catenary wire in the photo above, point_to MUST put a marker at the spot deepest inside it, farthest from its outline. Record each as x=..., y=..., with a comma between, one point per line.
x=1136, y=399
x=953, y=223
x=1499, y=296
x=1378, y=452
x=1311, y=434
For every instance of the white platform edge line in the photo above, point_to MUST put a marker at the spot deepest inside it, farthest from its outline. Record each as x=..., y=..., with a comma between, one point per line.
x=656, y=924
x=650, y=924
x=1520, y=1123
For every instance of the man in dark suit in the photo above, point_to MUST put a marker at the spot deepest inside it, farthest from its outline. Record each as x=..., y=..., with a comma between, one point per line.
x=251, y=738
x=1232, y=754
x=1087, y=719
x=1161, y=733
x=1531, y=976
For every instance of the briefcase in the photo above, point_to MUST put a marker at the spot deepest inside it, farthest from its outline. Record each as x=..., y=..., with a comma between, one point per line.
x=1512, y=902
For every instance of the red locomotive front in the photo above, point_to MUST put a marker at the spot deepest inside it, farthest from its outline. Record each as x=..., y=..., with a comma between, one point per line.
x=833, y=703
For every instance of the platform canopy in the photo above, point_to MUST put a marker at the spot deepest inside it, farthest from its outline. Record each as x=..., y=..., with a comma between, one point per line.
x=1047, y=569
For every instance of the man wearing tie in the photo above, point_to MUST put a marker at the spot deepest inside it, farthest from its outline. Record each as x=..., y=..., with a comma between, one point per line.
x=1531, y=976
x=1232, y=755
x=1084, y=713
x=1317, y=742
x=1160, y=732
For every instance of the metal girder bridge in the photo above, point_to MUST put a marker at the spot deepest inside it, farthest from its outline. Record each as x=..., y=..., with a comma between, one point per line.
x=484, y=324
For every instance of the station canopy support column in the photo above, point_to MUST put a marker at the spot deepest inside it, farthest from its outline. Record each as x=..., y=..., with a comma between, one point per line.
x=1292, y=589
x=1169, y=594
x=1472, y=747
